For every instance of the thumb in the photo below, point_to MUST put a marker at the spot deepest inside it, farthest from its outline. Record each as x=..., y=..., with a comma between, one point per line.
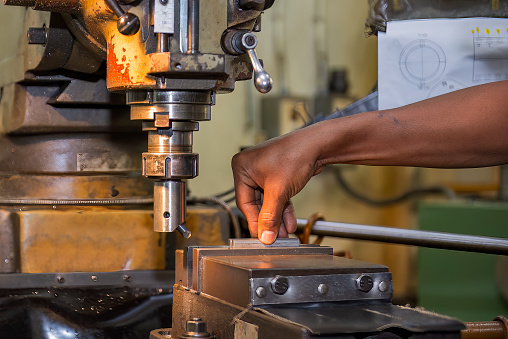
x=270, y=216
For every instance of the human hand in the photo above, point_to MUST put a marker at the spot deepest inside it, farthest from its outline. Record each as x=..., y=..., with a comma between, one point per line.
x=267, y=176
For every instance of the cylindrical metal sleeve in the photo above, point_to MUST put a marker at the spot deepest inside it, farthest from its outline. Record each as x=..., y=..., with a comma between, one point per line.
x=168, y=205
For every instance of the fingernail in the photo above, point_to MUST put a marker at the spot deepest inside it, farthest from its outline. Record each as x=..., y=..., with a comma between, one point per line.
x=268, y=237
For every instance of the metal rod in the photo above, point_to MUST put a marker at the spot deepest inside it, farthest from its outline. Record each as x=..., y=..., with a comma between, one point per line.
x=115, y=7
x=163, y=42
x=193, y=27
x=497, y=329
x=450, y=241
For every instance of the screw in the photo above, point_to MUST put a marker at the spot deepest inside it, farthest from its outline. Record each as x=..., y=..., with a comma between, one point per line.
x=364, y=283
x=36, y=36
x=94, y=278
x=250, y=40
x=383, y=286
x=164, y=2
x=280, y=285
x=166, y=214
x=60, y=279
x=127, y=278
x=261, y=292
x=322, y=288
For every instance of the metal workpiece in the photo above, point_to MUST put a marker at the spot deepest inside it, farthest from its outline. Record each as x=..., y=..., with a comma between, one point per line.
x=169, y=207
x=450, y=241
x=275, y=275
x=190, y=261
x=253, y=243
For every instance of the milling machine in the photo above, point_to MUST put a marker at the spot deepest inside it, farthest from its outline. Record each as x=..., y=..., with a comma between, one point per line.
x=75, y=213
x=78, y=254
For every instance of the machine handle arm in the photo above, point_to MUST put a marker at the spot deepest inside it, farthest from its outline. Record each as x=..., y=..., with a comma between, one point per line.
x=262, y=80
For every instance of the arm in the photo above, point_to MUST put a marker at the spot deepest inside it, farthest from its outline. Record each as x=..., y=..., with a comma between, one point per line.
x=466, y=128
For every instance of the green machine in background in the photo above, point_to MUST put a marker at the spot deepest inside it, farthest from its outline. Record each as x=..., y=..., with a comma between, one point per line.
x=469, y=286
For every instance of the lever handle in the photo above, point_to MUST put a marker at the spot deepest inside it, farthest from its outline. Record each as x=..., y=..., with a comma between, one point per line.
x=128, y=23
x=262, y=80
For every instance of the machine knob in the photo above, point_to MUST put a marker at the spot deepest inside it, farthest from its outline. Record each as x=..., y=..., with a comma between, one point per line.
x=128, y=23
x=247, y=42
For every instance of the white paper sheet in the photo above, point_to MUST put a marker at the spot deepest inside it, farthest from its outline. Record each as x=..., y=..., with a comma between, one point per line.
x=420, y=59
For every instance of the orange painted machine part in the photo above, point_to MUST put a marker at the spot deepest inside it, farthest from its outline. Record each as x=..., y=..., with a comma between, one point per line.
x=127, y=62
x=497, y=329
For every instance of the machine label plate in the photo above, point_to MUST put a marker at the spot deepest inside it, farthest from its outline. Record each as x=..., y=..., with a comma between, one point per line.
x=164, y=16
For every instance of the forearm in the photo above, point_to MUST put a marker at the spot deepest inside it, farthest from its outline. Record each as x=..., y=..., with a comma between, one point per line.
x=467, y=128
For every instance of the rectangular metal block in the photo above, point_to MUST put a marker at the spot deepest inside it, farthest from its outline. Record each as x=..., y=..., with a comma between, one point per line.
x=195, y=256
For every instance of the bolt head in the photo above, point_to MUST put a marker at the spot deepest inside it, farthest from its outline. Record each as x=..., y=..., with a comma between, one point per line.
x=60, y=279
x=196, y=325
x=383, y=286
x=94, y=278
x=261, y=292
x=365, y=283
x=323, y=288
x=280, y=285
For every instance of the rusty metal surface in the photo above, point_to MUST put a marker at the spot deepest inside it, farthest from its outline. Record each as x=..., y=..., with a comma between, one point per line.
x=88, y=239
x=71, y=153
x=64, y=6
x=67, y=187
x=9, y=258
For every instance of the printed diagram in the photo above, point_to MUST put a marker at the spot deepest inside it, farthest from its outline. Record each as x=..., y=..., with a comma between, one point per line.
x=422, y=62
x=490, y=61
x=446, y=85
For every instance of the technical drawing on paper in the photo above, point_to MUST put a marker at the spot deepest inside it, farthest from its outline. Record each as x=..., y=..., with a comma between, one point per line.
x=490, y=62
x=446, y=85
x=422, y=62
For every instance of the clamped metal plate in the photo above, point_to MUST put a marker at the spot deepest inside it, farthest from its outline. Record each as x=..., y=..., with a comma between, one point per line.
x=250, y=273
